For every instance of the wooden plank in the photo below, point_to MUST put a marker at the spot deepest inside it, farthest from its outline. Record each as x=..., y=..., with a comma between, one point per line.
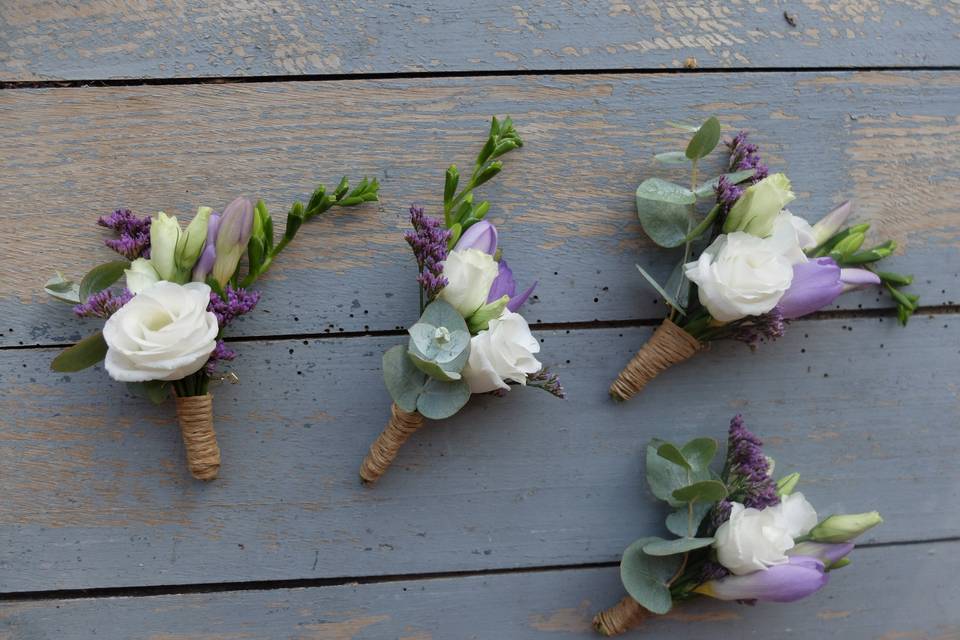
x=109, y=39
x=888, y=592
x=96, y=494
x=565, y=201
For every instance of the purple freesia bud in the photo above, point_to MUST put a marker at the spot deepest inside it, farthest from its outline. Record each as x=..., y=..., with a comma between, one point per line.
x=481, y=235
x=825, y=552
x=236, y=224
x=831, y=223
x=819, y=282
x=798, y=578
x=853, y=278
x=505, y=285
x=209, y=254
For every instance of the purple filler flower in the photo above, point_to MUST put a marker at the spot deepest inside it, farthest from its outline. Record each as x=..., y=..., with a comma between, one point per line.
x=238, y=302
x=102, y=304
x=748, y=468
x=481, y=235
x=134, y=233
x=505, y=285
x=429, y=243
x=744, y=155
x=818, y=283
x=769, y=326
x=221, y=353
x=796, y=579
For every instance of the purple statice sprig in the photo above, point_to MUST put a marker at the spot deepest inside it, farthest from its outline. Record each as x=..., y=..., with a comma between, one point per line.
x=102, y=304
x=747, y=469
x=745, y=155
x=429, y=243
x=234, y=303
x=133, y=232
x=756, y=329
x=548, y=381
x=221, y=353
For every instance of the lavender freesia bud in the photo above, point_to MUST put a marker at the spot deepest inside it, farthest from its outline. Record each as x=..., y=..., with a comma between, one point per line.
x=827, y=553
x=831, y=223
x=481, y=235
x=209, y=254
x=796, y=579
x=853, y=278
x=236, y=224
x=505, y=285
x=818, y=283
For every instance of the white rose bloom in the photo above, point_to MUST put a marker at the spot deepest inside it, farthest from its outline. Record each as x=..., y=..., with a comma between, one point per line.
x=163, y=333
x=741, y=275
x=141, y=275
x=751, y=540
x=469, y=273
x=794, y=515
x=502, y=352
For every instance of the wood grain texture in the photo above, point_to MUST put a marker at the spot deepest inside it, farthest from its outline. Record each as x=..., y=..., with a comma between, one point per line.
x=564, y=203
x=95, y=493
x=51, y=39
x=876, y=597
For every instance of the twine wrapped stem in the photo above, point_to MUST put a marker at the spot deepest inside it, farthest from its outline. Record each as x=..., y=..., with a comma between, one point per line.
x=385, y=448
x=195, y=415
x=620, y=618
x=668, y=346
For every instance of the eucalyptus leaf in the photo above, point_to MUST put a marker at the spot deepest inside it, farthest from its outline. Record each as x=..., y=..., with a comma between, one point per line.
x=673, y=302
x=101, y=277
x=707, y=189
x=440, y=313
x=440, y=400
x=440, y=345
x=664, y=477
x=679, y=285
x=703, y=491
x=646, y=578
x=85, y=353
x=156, y=391
x=63, y=289
x=404, y=381
x=672, y=157
x=704, y=140
x=661, y=547
x=665, y=210
x=433, y=369
x=678, y=522
x=669, y=451
x=699, y=452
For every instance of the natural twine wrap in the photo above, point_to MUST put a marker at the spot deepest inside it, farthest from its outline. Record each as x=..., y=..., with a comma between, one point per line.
x=668, y=346
x=385, y=448
x=621, y=617
x=195, y=415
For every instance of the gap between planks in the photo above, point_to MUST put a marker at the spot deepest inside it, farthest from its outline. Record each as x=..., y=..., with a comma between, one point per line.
x=267, y=585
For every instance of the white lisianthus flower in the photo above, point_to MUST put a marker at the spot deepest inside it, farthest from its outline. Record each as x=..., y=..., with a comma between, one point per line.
x=791, y=235
x=141, y=275
x=164, y=238
x=469, y=273
x=755, y=210
x=751, y=540
x=794, y=515
x=164, y=333
x=502, y=352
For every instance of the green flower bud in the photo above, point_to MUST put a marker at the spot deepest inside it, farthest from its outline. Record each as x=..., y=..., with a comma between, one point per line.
x=787, y=484
x=844, y=528
x=191, y=241
x=481, y=318
x=849, y=244
x=755, y=211
x=164, y=237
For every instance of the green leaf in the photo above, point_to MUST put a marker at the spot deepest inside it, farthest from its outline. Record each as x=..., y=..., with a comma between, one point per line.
x=646, y=577
x=664, y=477
x=703, y=491
x=678, y=522
x=440, y=400
x=85, y=353
x=450, y=183
x=706, y=190
x=661, y=547
x=101, y=277
x=63, y=289
x=452, y=354
x=669, y=451
x=699, y=452
x=404, y=381
x=672, y=157
x=433, y=369
x=156, y=391
x=678, y=282
x=673, y=302
x=704, y=140
x=441, y=313
x=664, y=210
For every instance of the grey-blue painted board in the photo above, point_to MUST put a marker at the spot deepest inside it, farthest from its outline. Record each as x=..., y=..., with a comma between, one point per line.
x=167, y=39
x=888, y=592
x=564, y=202
x=96, y=493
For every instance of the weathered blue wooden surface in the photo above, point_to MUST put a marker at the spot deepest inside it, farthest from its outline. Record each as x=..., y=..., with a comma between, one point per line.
x=902, y=592
x=95, y=494
x=190, y=38
x=564, y=201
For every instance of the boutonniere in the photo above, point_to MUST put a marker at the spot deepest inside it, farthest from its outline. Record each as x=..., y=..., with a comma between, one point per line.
x=759, y=265
x=740, y=536
x=182, y=288
x=470, y=337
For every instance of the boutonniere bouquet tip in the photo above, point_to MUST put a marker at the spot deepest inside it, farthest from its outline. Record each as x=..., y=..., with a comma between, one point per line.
x=741, y=535
x=470, y=337
x=759, y=265
x=164, y=328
